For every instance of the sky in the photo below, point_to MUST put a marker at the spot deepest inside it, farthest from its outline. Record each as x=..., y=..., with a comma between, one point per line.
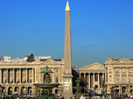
x=99, y=29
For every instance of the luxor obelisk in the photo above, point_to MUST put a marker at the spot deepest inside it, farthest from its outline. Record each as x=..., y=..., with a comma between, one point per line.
x=68, y=90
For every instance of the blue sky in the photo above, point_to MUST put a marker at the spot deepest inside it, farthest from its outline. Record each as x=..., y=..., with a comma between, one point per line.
x=99, y=29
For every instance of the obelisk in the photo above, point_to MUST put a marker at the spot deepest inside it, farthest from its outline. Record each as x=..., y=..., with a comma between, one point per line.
x=68, y=90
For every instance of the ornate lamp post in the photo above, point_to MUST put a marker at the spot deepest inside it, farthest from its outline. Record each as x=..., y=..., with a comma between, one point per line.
x=78, y=89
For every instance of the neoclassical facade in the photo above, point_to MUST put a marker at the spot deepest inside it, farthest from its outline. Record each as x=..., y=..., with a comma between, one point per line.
x=119, y=75
x=18, y=74
x=93, y=76
x=115, y=73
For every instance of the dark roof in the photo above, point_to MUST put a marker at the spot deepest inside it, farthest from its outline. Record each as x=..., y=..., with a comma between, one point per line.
x=57, y=59
x=43, y=59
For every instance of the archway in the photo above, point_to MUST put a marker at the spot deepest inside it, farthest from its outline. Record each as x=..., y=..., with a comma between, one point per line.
x=16, y=90
x=29, y=90
x=10, y=91
x=3, y=89
x=56, y=91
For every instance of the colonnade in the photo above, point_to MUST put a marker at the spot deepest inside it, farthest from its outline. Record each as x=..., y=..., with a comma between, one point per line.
x=92, y=80
x=10, y=75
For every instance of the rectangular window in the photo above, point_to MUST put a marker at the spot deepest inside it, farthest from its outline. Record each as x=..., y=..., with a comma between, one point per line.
x=56, y=70
x=123, y=70
x=30, y=79
x=117, y=79
x=56, y=79
x=117, y=70
x=130, y=69
x=130, y=79
x=123, y=79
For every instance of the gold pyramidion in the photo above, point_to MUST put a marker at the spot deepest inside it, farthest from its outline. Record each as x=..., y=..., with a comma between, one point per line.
x=67, y=6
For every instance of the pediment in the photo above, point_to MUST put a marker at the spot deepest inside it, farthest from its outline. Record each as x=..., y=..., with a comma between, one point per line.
x=124, y=60
x=94, y=66
x=50, y=61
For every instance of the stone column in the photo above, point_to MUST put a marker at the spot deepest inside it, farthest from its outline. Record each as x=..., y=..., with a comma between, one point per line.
x=120, y=90
x=7, y=76
x=20, y=74
x=13, y=75
x=26, y=74
x=98, y=81
x=103, y=80
x=105, y=75
x=41, y=75
x=113, y=75
x=32, y=75
x=35, y=75
x=84, y=77
x=93, y=80
x=108, y=74
x=127, y=78
x=79, y=75
x=120, y=75
x=89, y=80
x=0, y=76
x=12, y=90
x=59, y=74
x=33, y=90
x=20, y=90
x=6, y=90
x=53, y=75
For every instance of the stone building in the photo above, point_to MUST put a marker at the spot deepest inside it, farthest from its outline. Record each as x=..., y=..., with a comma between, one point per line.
x=18, y=74
x=115, y=73
x=119, y=74
x=93, y=76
